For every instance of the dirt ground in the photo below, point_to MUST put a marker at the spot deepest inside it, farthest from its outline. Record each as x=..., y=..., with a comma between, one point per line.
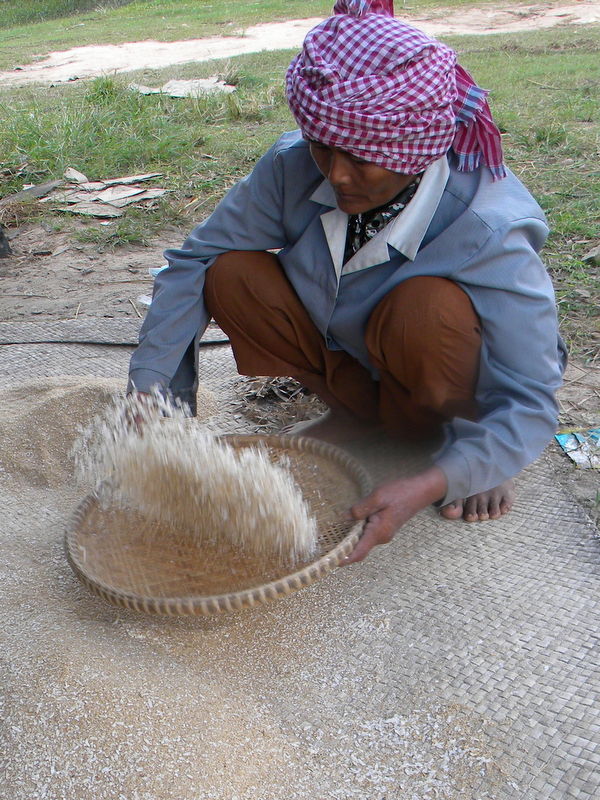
x=51, y=276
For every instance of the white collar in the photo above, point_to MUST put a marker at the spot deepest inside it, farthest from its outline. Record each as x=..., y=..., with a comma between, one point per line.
x=404, y=233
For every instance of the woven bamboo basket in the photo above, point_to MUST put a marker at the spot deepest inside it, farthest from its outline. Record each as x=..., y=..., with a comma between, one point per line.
x=136, y=563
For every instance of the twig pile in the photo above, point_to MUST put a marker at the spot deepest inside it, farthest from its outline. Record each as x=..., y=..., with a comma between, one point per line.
x=272, y=403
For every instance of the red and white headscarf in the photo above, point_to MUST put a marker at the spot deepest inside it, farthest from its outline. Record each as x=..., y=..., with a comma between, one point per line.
x=388, y=93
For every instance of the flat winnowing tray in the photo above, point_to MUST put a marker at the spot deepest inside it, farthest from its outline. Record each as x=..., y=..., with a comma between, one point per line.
x=140, y=564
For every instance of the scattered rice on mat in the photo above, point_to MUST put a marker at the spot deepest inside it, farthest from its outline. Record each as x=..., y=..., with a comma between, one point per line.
x=41, y=420
x=175, y=471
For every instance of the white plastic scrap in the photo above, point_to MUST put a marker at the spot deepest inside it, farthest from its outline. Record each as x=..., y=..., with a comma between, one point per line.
x=582, y=447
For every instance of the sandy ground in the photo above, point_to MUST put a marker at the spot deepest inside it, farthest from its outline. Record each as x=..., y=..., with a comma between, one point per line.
x=90, y=61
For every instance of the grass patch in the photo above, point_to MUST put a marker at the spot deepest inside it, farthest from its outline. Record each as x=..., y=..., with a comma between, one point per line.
x=103, y=129
x=544, y=95
x=162, y=20
x=16, y=12
x=138, y=227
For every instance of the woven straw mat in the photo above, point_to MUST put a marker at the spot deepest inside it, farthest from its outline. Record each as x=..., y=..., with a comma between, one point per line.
x=459, y=662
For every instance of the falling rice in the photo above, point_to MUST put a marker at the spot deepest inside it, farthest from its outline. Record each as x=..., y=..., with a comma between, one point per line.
x=150, y=456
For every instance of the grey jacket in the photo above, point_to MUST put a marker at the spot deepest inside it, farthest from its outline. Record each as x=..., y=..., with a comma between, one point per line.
x=484, y=235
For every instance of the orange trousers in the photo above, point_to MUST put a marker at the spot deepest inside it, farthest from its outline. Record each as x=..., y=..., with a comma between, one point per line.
x=424, y=338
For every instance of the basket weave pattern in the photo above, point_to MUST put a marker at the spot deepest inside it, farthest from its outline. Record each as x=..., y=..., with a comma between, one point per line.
x=140, y=564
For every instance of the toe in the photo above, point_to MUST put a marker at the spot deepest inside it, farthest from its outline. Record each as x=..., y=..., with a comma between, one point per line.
x=483, y=507
x=505, y=507
x=507, y=498
x=453, y=510
x=470, y=513
x=494, y=508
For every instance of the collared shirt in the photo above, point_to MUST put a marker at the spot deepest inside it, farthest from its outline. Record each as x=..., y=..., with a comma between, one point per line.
x=404, y=233
x=463, y=226
x=366, y=225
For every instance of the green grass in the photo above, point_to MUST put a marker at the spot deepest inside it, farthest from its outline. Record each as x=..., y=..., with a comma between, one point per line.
x=164, y=20
x=103, y=129
x=544, y=95
x=202, y=146
x=17, y=12
x=137, y=228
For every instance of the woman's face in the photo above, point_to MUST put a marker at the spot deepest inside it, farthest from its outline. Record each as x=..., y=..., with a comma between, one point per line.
x=359, y=185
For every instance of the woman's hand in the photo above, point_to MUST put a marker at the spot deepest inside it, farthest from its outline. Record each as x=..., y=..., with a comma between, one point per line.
x=140, y=405
x=392, y=504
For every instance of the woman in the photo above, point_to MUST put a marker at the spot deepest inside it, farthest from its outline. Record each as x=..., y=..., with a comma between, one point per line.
x=407, y=291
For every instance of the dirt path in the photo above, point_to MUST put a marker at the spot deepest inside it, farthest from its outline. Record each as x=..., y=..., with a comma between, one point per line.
x=93, y=60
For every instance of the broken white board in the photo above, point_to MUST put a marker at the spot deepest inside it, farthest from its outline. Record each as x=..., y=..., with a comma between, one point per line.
x=93, y=209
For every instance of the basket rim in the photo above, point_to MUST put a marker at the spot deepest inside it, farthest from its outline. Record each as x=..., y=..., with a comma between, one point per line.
x=243, y=598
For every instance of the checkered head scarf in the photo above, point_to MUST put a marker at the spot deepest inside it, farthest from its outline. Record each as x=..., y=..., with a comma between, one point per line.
x=389, y=94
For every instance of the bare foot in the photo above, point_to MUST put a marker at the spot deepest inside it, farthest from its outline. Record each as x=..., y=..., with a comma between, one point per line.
x=334, y=427
x=486, y=505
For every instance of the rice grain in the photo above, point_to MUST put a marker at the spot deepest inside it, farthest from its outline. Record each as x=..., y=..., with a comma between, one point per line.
x=173, y=470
